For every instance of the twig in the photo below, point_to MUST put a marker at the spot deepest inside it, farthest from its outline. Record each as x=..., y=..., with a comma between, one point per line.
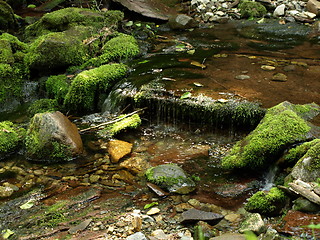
x=112, y=121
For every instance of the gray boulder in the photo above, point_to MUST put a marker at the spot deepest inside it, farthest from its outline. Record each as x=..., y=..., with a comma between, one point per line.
x=52, y=137
x=171, y=177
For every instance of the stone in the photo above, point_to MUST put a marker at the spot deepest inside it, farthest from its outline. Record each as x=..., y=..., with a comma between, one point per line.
x=233, y=217
x=242, y=77
x=194, y=215
x=118, y=149
x=308, y=194
x=7, y=18
x=279, y=11
x=52, y=137
x=268, y=68
x=289, y=68
x=171, y=177
x=159, y=234
x=94, y=178
x=304, y=205
x=253, y=223
x=153, y=211
x=6, y=191
x=80, y=227
x=271, y=234
x=313, y=6
x=181, y=21
x=135, y=164
x=279, y=77
x=230, y=236
x=137, y=236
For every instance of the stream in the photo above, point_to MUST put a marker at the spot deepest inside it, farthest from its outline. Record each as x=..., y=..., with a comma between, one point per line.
x=224, y=62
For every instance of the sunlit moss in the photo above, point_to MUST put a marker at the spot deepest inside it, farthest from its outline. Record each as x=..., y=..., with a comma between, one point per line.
x=11, y=137
x=42, y=106
x=280, y=127
x=251, y=9
x=57, y=87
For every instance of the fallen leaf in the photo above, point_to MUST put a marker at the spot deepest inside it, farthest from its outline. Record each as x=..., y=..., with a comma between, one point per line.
x=28, y=204
x=197, y=64
x=191, y=52
x=186, y=95
x=7, y=233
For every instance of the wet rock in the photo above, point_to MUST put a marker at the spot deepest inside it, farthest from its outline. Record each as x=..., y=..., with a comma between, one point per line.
x=279, y=11
x=304, y=205
x=80, y=227
x=171, y=177
x=118, y=149
x=313, y=6
x=253, y=223
x=181, y=22
x=230, y=236
x=194, y=215
x=6, y=191
x=7, y=18
x=268, y=68
x=94, y=178
x=137, y=236
x=136, y=164
x=271, y=234
x=159, y=234
x=242, y=77
x=204, y=230
x=123, y=176
x=52, y=137
x=153, y=211
x=289, y=68
x=279, y=77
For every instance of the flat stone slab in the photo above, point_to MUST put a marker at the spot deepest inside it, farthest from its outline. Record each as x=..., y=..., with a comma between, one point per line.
x=194, y=215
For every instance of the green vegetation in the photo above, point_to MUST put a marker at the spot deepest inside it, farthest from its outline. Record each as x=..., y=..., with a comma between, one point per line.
x=280, y=128
x=270, y=203
x=121, y=47
x=298, y=152
x=57, y=87
x=7, y=18
x=86, y=87
x=11, y=137
x=127, y=122
x=42, y=106
x=251, y=9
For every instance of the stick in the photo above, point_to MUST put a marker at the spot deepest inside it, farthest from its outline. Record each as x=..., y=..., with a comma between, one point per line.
x=112, y=121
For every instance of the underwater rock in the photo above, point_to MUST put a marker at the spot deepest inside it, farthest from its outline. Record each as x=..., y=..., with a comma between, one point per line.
x=171, y=177
x=135, y=164
x=118, y=149
x=52, y=137
x=283, y=125
x=253, y=223
x=181, y=22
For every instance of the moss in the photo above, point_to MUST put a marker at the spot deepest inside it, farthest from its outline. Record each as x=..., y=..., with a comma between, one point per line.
x=57, y=87
x=86, y=87
x=118, y=48
x=279, y=128
x=269, y=203
x=160, y=180
x=53, y=215
x=42, y=106
x=251, y=9
x=41, y=147
x=298, y=152
x=65, y=19
x=128, y=122
x=57, y=50
x=7, y=18
x=11, y=137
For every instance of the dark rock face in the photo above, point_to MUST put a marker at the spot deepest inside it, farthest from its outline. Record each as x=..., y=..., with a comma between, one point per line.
x=7, y=19
x=52, y=137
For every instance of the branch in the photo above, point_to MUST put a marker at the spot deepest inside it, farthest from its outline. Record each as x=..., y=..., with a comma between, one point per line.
x=112, y=121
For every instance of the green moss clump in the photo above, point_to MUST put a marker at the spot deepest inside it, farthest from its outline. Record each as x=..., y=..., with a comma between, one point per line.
x=86, y=87
x=7, y=18
x=57, y=50
x=57, y=87
x=11, y=137
x=270, y=203
x=42, y=106
x=298, y=152
x=67, y=18
x=250, y=9
x=119, y=48
x=132, y=122
x=279, y=128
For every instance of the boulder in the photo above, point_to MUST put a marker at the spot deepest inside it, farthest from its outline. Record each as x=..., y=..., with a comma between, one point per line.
x=7, y=18
x=118, y=149
x=171, y=177
x=304, y=205
x=253, y=223
x=282, y=126
x=182, y=21
x=313, y=6
x=52, y=137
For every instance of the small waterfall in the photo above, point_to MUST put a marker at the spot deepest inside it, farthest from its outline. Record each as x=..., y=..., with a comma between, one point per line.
x=269, y=178
x=118, y=98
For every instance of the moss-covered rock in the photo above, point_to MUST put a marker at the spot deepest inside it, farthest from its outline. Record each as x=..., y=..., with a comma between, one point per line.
x=58, y=50
x=11, y=136
x=170, y=177
x=83, y=94
x=13, y=71
x=51, y=137
x=42, y=106
x=307, y=168
x=130, y=122
x=269, y=204
x=121, y=47
x=7, y=18
x=282, y=126
x=251, y=9
x=67, y=18
x=57, y=87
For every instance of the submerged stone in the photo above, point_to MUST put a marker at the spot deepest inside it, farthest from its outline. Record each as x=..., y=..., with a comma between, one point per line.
x=52, y=137
x=194, y=215
x=282, y=126
x=118, y=149
x=171, y=177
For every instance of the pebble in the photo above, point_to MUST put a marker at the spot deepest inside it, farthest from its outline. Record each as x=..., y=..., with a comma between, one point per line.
x=268, y=68
x=242, y=77
x=153, y=211
x=279, y=77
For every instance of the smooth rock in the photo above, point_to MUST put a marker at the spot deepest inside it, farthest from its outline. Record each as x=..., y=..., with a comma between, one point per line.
x=135, y=164
x=182, y=21
x=80, y=227
x=268, y=68
x=118, y=149
x=153, y=211
x=194, y=215
x=253, y=223
x=304, y=205
x=279, y=11
x=279, y=77
x=137, y=236
x=6, y=191
x=313, y=6
x=242, y=77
